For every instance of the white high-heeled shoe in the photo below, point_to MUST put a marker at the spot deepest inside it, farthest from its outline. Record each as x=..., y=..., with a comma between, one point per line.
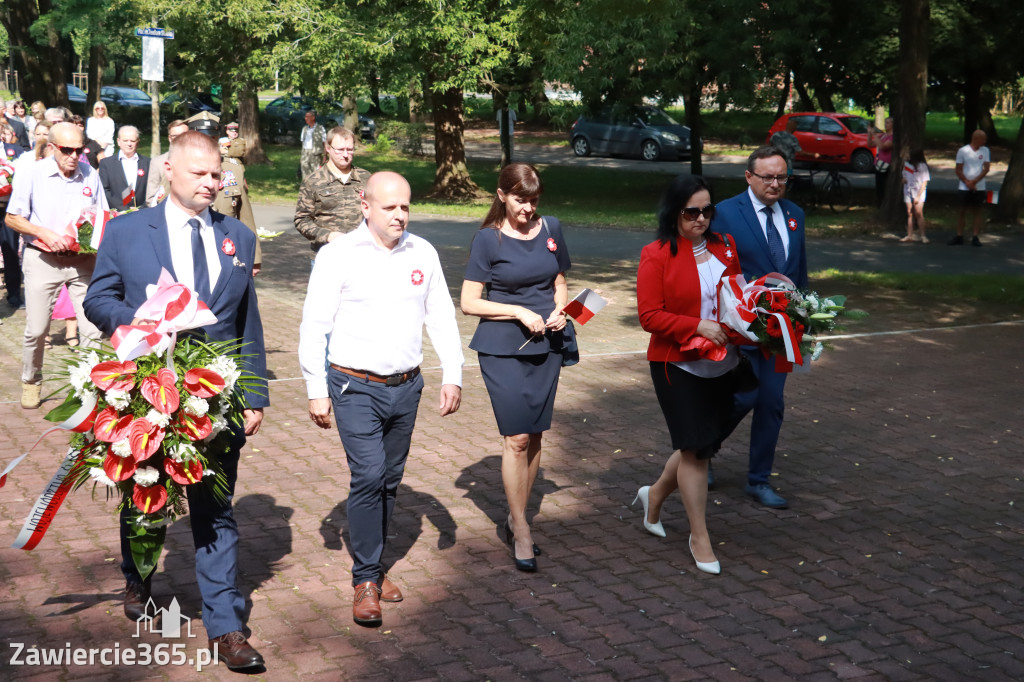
x=712, y=567
x=652, y=528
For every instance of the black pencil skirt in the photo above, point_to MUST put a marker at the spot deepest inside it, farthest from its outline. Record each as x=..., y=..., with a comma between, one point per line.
x=697, y=410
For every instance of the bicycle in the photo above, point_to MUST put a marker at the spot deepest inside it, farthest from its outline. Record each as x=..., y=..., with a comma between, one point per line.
x=834, y=190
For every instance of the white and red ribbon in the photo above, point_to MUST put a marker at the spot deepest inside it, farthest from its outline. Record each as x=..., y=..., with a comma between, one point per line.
x=80, y=422
x=46, y=507
x=173, y=307
x=737, y=305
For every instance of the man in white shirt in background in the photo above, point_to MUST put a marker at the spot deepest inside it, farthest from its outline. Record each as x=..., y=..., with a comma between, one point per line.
x=973, y=162
x=360, y=346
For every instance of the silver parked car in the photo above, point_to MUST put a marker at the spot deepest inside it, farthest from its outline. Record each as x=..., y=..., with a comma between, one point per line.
x=647, y=132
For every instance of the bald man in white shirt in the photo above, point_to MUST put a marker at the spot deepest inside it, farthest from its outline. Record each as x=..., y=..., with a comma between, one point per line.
x=360, y=346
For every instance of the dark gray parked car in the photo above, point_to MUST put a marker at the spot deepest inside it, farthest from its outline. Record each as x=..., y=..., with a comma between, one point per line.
x=285, y=116
x=647, y=132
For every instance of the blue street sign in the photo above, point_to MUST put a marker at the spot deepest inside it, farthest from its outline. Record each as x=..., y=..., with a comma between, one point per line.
x=155, y=33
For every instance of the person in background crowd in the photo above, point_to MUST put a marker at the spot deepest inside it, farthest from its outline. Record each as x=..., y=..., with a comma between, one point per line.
x=769, y=235
x=100, y=127
x=519, y=258
x=125, y=176
x=973, y=162
x=54, y=193
x=882, y=141
x=786, y=142
x=15, y=122
x=236, y=144
x=915, y=186
x=57, y=115
x=233, y=197
x=370, y=295
x=93, y=153
x=10, y=241
x=677, y=287
x=156, y=184
x=37, y=111
x=329, y=199
x=311, y=139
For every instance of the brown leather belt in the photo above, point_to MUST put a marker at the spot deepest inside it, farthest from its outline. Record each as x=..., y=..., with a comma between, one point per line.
x=390, y=380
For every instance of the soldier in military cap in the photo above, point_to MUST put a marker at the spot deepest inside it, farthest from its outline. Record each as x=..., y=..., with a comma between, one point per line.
x=329, y=199
x=233, y=197
x=236, y=144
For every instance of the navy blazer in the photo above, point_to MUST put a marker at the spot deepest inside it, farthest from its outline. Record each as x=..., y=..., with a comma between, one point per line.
x=135, y=247
x=736, y=216
x=112, y=178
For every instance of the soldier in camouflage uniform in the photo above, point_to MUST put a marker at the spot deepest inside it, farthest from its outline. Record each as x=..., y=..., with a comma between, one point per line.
x=329, y=198
x=311, y=140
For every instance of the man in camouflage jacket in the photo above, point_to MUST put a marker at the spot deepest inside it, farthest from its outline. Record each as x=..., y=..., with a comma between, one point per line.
x=329, y=198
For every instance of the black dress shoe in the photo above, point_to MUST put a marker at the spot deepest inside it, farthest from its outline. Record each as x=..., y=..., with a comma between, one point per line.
x=511, y=538
x=136, y=596
x=236, y=652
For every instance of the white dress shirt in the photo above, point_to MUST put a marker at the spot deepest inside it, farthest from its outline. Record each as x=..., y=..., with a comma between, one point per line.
x=778, y=217
x=46, y=197
x=307, y=136
x=130, y=166
x=179, y=233
x=366, y=307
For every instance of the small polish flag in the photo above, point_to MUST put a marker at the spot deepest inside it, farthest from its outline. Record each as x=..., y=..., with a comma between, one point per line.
x=127, y=196
x=992, y=197
x=585, y=306
x=102, y=217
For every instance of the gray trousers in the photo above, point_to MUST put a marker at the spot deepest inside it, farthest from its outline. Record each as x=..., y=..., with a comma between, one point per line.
x=45, y=274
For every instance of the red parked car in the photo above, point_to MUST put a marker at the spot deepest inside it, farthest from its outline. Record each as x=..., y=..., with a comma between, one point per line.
x=835, y=138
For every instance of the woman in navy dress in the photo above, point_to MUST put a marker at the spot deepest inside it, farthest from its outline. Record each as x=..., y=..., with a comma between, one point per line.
x=519, y=259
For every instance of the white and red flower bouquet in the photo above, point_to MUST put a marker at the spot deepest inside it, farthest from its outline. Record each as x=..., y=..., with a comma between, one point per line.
x=83, y=233
x=6, y=178
x=784, y=321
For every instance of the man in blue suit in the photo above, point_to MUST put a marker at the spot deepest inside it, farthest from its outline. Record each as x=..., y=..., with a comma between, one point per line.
x=213, y=254
x=769, y=234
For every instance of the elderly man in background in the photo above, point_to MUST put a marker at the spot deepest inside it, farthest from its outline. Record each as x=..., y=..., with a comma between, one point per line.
x=125, y=176
x=42, y=206
x=329, y=199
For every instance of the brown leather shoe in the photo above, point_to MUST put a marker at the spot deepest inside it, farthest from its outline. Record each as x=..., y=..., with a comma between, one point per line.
x=388, y=590
x=366, y=604
x=136, y=596
x=235, y=651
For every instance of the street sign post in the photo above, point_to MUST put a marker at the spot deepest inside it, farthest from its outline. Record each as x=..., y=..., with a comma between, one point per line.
x=153, y=71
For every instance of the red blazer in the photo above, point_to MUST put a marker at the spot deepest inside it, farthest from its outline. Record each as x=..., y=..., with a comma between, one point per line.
x=668, y=292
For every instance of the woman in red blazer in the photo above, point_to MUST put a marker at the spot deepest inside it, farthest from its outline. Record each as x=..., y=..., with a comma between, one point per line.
x=691, y=357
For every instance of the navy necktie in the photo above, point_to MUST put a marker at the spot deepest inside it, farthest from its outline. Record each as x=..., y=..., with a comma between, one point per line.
x=199, y=268
x=775, y=247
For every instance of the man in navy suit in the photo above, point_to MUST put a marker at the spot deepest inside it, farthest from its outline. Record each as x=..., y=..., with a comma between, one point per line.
x=125, y=176
x=769, y=234
x=135, y=248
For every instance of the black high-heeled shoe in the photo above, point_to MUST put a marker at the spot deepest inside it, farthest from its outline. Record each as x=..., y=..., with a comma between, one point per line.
x=510, y=538
x=524, y=565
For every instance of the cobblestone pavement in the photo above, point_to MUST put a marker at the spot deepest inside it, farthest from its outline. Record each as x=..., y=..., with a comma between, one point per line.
x=898, y=559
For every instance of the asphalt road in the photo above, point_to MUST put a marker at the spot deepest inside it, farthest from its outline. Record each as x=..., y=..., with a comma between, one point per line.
x=1003, y=253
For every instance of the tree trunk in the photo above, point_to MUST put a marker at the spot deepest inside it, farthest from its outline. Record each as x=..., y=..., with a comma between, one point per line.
x=783, y=96
x=451, y=180
x=500, y=101
x=249, y=125
x=972, y=103
x=986, y=101
x=915, y=20
x=351, y=107
x=1011, y=193
x=374, y=84
x=823, y=94
x=806, y=103
x=95, y=71
x=415, y=101
x=40, y=65
x=694, y=123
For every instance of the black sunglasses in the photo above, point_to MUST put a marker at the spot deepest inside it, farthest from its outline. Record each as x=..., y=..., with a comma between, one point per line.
x=69, y=151
x=692, y=212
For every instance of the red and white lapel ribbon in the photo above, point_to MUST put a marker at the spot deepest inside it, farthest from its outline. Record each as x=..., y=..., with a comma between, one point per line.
x=174, y=307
